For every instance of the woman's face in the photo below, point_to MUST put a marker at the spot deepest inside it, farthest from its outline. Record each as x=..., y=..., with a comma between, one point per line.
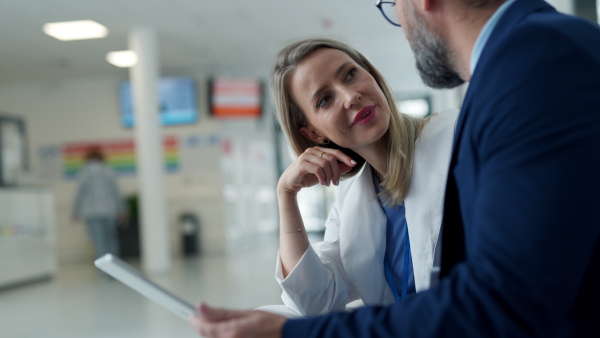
x=341, y=100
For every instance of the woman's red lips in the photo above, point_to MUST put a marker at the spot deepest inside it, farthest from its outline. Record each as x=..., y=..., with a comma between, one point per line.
x=364, y=115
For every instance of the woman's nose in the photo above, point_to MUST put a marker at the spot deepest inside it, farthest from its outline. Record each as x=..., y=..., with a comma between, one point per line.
x=351, y=97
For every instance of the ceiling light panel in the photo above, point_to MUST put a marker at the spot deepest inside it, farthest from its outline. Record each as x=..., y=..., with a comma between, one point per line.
x=75, y=30
x=122, y=59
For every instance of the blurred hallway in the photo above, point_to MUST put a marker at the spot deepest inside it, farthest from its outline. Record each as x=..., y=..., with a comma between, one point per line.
x=79, y=302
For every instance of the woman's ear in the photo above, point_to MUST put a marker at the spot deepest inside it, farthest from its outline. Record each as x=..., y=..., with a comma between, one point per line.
x=312, y=134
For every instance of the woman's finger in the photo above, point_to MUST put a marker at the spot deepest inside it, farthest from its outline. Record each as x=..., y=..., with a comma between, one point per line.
x=338, y=154
x=324, y=161
x=338, y=162
x=321, y=158
x=314, y=164
x=331, y=164
x=318, y=171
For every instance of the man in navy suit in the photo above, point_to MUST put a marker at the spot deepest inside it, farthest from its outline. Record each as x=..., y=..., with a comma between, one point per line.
x=521, y=231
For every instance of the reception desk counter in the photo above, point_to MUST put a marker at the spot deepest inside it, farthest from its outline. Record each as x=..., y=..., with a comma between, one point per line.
x=26, y=235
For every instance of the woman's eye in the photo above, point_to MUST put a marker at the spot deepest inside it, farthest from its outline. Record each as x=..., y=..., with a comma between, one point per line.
x=323, y=102
x=351, y=73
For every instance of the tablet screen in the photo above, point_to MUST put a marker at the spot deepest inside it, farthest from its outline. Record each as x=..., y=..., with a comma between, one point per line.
x=129, y=276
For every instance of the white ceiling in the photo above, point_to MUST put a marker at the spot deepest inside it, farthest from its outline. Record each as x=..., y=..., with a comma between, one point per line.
x=195, y=36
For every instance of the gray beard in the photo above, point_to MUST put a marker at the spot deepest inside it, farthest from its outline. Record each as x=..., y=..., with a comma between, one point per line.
x=433, y=59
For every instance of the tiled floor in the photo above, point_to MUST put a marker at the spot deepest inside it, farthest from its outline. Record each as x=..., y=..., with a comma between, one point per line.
x=79, y=302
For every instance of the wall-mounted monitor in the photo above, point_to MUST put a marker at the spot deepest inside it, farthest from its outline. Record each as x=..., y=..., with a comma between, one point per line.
x=177, y=99
x=232, y=98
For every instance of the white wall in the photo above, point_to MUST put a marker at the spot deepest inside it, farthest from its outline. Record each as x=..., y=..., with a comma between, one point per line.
x=86, y=109
x=565, y=6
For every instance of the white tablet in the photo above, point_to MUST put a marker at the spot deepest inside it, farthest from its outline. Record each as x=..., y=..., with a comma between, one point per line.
x=129, y=276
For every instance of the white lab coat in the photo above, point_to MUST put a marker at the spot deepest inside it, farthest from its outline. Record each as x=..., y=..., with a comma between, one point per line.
x=348, y=264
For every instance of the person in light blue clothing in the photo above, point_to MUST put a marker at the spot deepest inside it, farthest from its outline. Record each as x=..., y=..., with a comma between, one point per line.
x=99, y=204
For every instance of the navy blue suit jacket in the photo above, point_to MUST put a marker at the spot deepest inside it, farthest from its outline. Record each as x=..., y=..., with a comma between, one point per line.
x=521, y=238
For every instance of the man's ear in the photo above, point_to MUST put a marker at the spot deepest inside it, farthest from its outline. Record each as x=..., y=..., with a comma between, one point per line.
x=312, y=134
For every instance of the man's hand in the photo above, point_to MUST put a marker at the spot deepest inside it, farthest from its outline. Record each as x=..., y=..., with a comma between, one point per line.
x=223, y=323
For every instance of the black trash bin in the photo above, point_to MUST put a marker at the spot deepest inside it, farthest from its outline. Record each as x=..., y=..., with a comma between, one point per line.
x=129, y=235
x=189, y=226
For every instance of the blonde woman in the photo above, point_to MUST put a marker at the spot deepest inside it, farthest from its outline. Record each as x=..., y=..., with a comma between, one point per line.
x=340, y=117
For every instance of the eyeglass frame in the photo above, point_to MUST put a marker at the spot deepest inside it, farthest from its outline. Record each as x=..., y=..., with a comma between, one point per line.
x=379, y=4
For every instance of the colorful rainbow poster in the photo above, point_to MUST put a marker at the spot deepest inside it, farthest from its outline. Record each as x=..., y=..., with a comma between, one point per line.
x=119, y=155
x=171, y=153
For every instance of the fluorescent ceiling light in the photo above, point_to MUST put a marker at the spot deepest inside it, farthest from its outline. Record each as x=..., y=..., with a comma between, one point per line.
x=123, y=59
x=75, y=30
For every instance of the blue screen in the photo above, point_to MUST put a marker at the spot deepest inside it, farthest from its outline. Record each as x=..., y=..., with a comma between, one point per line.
x=177, y=97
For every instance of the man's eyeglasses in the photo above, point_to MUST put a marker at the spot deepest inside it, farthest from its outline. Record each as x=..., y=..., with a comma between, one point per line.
x=388, y=11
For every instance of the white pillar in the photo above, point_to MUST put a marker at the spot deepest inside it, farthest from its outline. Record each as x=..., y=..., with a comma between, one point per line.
x=149, y=152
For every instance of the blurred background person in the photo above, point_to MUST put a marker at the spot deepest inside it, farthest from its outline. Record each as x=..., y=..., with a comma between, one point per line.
x=98, y=203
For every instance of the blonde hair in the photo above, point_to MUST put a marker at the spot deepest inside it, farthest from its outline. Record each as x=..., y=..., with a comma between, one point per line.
x=400, y=136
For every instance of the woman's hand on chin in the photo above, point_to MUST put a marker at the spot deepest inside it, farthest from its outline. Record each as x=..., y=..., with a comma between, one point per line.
x=316, y=165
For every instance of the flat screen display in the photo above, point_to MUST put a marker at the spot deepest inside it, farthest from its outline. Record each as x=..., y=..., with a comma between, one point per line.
x=235, y=98
x=177, y=99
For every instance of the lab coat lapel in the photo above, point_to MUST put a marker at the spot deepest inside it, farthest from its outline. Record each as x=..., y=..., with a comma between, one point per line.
x=425, y=198
x=362, y=240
